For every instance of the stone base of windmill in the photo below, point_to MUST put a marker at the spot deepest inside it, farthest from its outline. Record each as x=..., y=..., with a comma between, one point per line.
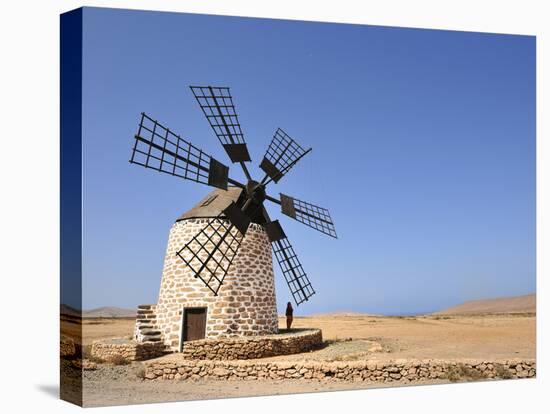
x=220, y=349
x=294, y=342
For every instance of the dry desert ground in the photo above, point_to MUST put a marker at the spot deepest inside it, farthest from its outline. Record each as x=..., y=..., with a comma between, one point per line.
x=419, y=337
x=348, y=337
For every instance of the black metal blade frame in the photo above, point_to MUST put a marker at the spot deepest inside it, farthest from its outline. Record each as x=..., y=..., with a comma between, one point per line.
x=281, y=155
x=313, y=216
x=296, y=279
x=158, y=148
x=217, y=106
x=210, y=253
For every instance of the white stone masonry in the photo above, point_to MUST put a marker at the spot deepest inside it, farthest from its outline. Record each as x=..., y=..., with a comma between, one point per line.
x=245, y=305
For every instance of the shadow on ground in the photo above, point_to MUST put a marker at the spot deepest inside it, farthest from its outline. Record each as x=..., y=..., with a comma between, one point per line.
x=49, y=389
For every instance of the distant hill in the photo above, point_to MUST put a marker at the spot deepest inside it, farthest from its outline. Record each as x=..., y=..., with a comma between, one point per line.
x=514, y=304
x=69, y=311
x=109, y=312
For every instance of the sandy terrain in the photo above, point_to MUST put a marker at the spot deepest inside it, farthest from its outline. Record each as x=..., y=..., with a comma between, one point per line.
x=436, y=336
x=348, y=337
x=100, y=328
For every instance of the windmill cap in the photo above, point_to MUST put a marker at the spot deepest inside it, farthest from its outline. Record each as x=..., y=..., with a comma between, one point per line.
x=213, y=204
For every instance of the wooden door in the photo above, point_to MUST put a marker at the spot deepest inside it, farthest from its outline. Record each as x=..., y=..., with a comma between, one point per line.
x=194, y=324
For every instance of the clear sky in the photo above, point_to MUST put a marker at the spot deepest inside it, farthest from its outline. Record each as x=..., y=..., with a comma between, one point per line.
x=423, y=151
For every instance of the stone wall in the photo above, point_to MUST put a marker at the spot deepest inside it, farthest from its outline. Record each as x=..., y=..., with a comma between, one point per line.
x=109, y=349
x=253, y=347
x=391, y=371
x=245, y=305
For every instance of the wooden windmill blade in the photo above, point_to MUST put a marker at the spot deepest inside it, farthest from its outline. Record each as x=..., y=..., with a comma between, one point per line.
x=210, y=253
x=281, y=155
x=217, y=106
x=158, y=148
x=293, y=272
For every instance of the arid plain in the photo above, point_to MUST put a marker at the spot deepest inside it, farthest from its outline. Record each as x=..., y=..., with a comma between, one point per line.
x=506, y=331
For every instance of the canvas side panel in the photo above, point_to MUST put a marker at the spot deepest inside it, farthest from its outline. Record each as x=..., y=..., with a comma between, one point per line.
x=71, y=206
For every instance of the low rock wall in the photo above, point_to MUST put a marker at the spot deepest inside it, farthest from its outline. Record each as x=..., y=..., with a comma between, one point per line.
x=108, y=350
x=392, y=371
x=252, y=347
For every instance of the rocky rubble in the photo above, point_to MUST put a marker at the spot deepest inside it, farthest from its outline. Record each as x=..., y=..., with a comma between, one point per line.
x=84, y=364
x=67, y=347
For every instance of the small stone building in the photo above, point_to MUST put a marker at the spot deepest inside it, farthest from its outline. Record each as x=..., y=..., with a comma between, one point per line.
x=188, y=310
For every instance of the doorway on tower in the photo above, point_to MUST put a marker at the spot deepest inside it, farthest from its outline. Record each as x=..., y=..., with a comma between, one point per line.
x=193, y=325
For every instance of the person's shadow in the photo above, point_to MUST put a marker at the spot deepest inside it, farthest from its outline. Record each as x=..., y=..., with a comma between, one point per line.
x=49, y=389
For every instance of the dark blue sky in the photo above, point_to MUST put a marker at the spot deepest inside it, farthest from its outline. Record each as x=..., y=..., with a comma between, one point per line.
x=423, y=151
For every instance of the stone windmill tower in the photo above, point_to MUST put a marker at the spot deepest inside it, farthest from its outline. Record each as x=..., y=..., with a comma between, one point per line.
x=218, y=275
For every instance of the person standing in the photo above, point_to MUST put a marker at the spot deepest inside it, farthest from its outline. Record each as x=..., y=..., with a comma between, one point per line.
x=289, y=315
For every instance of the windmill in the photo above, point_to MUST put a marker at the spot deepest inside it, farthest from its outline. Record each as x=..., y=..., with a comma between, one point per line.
x=209, y=254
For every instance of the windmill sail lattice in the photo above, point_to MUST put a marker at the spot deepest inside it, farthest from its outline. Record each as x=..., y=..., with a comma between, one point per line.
x=218, y=108
x=297, y=280
x=281, y=155
x=210, y=253
x=158, y=148
x=313, y=216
